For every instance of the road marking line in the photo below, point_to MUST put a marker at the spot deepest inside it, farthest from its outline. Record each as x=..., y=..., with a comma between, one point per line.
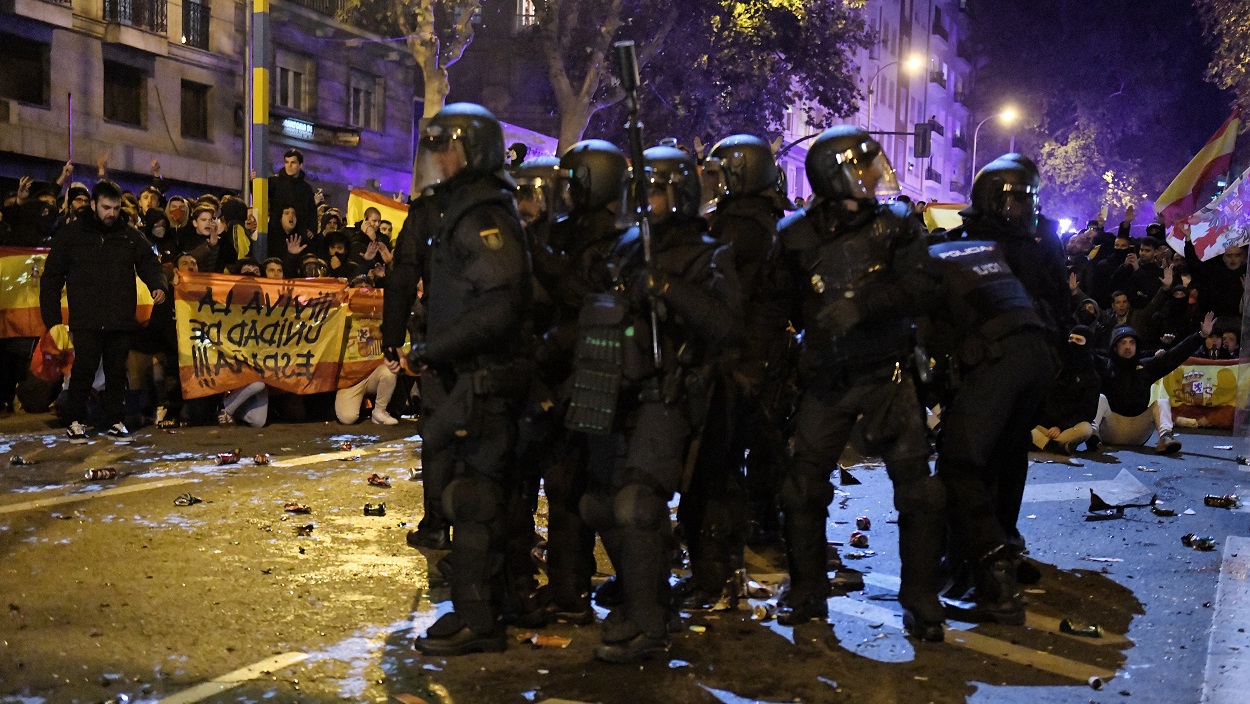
x=73, y=498
x=1038, y=659
x=1036, y=621
x=346, y=454
x=1227, y=676
x=1125, y=486
x=234, y=679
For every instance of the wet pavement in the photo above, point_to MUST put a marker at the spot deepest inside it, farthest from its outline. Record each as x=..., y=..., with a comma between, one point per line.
x=108, y=590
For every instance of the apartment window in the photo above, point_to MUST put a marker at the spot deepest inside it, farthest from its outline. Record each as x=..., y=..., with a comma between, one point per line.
x=25, y=72
x=125, y=94
x=194, y=110
x=293, y=78
x=364, y=102
x=526, y=14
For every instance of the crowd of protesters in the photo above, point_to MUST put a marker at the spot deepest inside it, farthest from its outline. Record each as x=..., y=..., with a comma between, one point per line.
x=307, y=238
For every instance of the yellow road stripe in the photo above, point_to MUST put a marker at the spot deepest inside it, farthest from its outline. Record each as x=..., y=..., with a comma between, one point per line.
x=234, y=679
x=74, y=498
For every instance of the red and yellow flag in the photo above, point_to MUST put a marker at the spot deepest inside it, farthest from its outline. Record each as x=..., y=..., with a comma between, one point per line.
x=1180, y=198
x=234, y=330
x=392, y=211
x=20, y=271
x=362, y=345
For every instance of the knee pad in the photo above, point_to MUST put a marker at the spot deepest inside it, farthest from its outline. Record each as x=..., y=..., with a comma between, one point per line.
x=596, y=511
x=805, y=492
x=639, y=506
x=927, y=495
x=472, y=500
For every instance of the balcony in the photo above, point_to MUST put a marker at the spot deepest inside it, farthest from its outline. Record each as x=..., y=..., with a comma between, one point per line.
x=937, y=127
x=930, y=174
x=957, y=187
x=141, y=14
x=937, y=77
x=195, y=19
x=959, y=141
x=329, y=8
x=939, y=30
x=961, y=96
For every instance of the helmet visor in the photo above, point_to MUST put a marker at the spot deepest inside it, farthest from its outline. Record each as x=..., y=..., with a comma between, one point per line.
x=440, y=155
x=1018, y=206
x=871, y=177
x=713, y=184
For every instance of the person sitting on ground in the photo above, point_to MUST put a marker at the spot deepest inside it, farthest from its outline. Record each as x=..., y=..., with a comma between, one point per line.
x=1126, y=413
x=248, y=405
x=1067, y=417
x=380, y=384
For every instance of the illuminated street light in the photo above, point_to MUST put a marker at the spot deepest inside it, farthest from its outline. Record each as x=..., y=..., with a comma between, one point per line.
x=1008, y=115
x=911, y=65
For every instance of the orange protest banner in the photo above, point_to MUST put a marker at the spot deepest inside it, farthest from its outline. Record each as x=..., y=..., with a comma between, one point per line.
x=234, y=330
x=362, y=345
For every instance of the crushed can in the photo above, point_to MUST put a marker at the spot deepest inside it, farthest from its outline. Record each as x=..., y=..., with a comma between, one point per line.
x=19, y=461
x=379, y=481
x=1093, y=630
x=764, y=612
x=261, y=459
x=1225, y=501
x=345, y=445
x=858, y=540
x=863, y=523
x=102, y=473
x=375, y=509
x=1196, y=542
x=294, y=507
x=224, y=458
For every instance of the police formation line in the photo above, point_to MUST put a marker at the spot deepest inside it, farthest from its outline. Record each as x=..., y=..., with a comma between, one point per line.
x=718, y=350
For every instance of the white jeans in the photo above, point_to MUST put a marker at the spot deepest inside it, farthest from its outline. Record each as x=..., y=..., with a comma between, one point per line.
x=1115, y=429
x=347, y=401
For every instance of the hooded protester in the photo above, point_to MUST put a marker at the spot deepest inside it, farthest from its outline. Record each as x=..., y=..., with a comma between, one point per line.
x=234, y=227
x=1126, y=413
x=1067, y=417
x=178, y=210
x=158, y=233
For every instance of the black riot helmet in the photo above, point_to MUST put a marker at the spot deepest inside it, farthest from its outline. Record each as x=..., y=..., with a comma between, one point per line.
x=595, y=172
x=1006, y=190
x=462, y=139
x=674, y=174
x=538, y=183
x=846, y=163
x=741, y=165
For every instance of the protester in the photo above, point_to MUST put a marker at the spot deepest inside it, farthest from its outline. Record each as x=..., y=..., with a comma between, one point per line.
x=1126, y=413
x=95, y=260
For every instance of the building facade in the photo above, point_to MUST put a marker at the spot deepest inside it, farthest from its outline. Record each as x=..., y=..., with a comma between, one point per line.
x=163, y=80
x=896, y=98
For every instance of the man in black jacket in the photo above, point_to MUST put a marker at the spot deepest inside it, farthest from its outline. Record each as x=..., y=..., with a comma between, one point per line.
x=95, y=259
x=1126, y=414
x=288, y=188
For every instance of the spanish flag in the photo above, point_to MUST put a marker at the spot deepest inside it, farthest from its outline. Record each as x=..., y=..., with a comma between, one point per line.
x=392, y=210
x=20, y=271
x=1180, y=199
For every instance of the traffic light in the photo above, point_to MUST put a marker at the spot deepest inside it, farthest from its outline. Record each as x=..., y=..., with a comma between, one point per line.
x=923, y=146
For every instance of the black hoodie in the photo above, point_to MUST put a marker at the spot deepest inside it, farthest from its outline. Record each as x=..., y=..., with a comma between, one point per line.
x=1126, y=382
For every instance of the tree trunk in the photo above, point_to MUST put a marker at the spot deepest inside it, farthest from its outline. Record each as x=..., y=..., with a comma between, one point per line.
x=574, y=119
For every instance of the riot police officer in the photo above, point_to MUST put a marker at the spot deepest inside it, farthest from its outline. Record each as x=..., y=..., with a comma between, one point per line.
x=1004, y=210
x=999, y=354
x=476, y=325
x=638, y=414
x=742, y=182
x=857, y=267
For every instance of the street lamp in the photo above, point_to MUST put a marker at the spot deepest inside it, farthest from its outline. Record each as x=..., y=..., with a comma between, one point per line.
x=1008, y=115
x=912, y=64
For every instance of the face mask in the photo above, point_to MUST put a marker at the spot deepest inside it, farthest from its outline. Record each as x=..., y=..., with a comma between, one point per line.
x=158, y=231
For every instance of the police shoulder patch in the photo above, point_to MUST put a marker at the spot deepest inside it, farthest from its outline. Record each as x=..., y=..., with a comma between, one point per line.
x=492, y=238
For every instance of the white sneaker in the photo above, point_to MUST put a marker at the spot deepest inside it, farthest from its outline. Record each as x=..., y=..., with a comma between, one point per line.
x=381, y=417
x=119, y=433
x=77, y=433
x=161, y=412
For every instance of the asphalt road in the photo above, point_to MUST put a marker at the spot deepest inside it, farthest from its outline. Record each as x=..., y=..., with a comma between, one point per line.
x=107, y=588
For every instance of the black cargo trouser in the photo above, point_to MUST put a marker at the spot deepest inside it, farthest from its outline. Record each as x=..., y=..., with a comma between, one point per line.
x=91, y=347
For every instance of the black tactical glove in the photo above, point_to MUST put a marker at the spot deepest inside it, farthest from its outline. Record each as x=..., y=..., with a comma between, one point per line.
x=417, y=356
x=840, y=316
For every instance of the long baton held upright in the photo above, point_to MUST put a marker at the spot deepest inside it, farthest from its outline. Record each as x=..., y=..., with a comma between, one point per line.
x=627, y=66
